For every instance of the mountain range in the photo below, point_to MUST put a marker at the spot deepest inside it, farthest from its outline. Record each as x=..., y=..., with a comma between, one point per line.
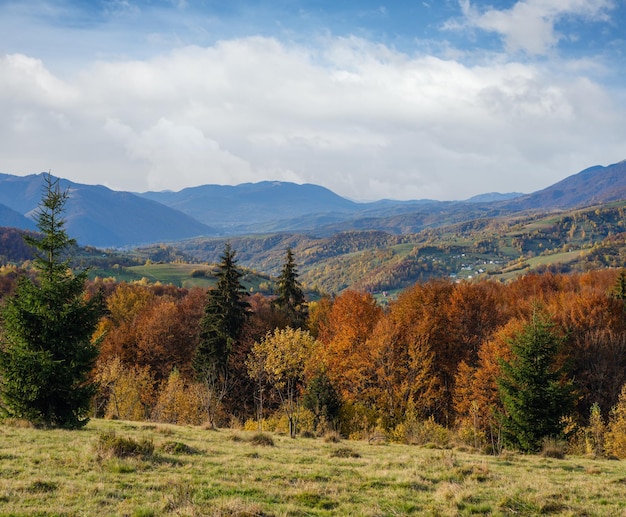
x=99, y=216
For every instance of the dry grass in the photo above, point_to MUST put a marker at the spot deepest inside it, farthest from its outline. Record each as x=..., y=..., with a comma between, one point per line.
x=192, y=472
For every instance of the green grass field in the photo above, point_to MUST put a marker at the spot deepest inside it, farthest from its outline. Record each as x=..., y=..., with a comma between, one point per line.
x=180, y=275
x=175, y=274
x=194, y=471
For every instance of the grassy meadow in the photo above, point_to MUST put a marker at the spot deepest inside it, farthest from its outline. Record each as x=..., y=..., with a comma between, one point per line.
x=180, y=275
x=194, y=471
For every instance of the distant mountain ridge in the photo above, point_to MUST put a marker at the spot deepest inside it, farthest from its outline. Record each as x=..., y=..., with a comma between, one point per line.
x=591, y=186
x=229, y=207
x=99, y=216
x=13, y=219
x=491, y=197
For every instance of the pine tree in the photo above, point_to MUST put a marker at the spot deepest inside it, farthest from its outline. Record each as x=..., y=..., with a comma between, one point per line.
x=46, y=352
x=290, y=297
x=225, y=315
x=322, y=399
x=533, y=389
x=619, y=289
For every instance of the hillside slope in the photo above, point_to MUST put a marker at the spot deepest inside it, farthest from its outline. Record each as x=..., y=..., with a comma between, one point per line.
x=99, y=216
x=500, y=247
x=591, y=186
x=12, y=218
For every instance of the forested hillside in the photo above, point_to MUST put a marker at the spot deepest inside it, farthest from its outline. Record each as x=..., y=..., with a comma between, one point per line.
x=434, y=353
x=377, y=261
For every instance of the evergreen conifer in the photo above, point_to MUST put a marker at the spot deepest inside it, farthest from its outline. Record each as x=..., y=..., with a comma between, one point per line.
x=46, y=351
x=533, y=389
x=290, y=297
x=225, y=315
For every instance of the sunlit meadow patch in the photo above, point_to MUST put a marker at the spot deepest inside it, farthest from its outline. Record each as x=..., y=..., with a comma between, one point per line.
x=120, y=468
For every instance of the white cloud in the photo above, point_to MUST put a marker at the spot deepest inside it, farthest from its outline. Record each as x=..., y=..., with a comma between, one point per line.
x=529, y=25
x=362, y=119
x=171, y=149
x=25, y=79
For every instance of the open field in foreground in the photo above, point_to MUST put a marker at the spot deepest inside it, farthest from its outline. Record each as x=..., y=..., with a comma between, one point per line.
x=193, y=471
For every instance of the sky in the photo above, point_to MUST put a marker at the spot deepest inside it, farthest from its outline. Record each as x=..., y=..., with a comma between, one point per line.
x=372, y=99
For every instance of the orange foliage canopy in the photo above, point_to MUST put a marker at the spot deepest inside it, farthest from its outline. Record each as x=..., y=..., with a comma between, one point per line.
x=144, y=330
x=344, y=335
x=435, y=350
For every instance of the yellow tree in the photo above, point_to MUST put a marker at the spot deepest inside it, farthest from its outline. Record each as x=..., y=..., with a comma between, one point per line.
x=282, y=356
x=127, y=391
x=616, y=436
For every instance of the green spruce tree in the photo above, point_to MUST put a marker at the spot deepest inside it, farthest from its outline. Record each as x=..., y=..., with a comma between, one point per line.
x=46, y=351
x=619, y=289
x=322, y=400
x=533, y=389
x=225, y=315
x=290, y=297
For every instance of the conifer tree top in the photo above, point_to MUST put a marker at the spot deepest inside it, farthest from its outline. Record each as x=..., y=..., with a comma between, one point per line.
x=54, y=240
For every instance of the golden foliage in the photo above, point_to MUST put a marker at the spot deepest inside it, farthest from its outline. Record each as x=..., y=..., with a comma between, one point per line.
x=129, y=391
x=181, y=402
x=616, y=436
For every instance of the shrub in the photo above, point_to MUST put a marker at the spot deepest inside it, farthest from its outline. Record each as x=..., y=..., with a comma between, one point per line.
x=262, y=439
x=422, y=432
x=470, y=435
x=253, y=425
x=344, y=452
x=616, y=436
x=177, y=448
x=111, y=445
x=332, y=437
x=279, y=423
x=18, y=423
x=553, y=448
x=356, y=420
x=181, y=402
x=577, y=437
x=595, y=432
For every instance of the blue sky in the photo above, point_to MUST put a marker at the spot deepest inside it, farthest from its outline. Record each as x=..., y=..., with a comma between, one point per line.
x=404, y=99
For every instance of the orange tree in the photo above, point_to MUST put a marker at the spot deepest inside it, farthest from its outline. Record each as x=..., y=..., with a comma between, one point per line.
x=345, y=332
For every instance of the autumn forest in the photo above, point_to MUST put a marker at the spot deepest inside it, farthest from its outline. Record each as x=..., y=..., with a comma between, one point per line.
x=486, y=363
